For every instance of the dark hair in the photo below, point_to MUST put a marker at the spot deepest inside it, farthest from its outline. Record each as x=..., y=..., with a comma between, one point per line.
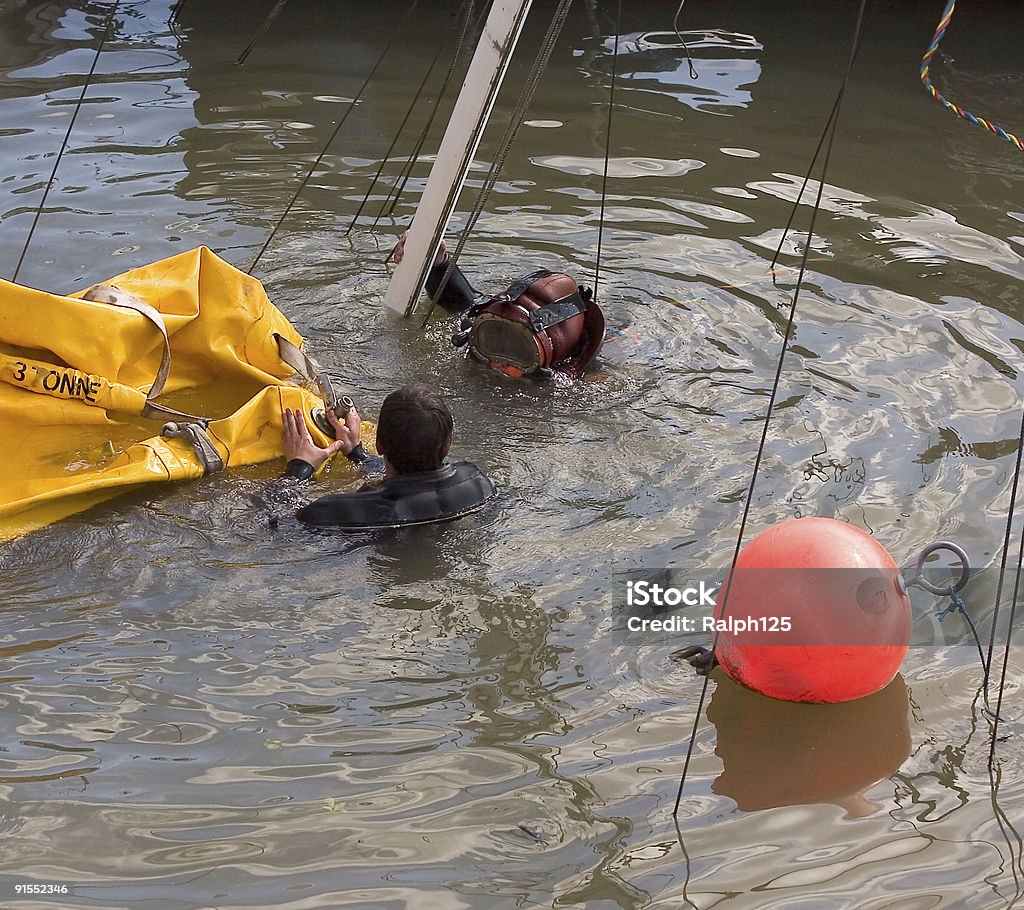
x=414, y=430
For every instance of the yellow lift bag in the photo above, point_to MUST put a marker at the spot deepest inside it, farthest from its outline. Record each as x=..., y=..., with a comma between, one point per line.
x=168, y=372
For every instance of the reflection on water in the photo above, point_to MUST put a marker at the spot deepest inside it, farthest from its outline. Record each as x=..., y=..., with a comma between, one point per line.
x=656, y=64
x=778, y=753
x=201, y=710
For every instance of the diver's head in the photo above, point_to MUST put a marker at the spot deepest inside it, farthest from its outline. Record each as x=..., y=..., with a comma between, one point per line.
x=414, y=429
x=543, y=324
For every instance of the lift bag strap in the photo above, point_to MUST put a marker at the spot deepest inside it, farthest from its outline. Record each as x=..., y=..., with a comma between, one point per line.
x=114, y=296
x=200, y=440
x=107, y=293
x=296, y=358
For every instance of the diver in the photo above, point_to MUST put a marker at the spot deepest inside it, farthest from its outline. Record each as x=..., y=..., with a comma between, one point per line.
x=543, y=323
x=415, y=484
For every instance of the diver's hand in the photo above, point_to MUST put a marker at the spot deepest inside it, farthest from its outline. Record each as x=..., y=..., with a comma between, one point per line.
x=298, y=443
x=399, y=251
x=346, y=431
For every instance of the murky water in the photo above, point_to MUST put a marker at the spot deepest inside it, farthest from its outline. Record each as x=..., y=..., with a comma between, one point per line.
x=199, y=711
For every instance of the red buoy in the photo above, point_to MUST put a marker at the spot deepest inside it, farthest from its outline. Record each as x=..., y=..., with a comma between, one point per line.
x=813, y=612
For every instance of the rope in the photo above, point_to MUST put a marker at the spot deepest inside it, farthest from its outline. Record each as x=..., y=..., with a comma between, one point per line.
x=515, y=122
x=331, y=138
x=803, y=186
x=675, y=28
x=1006, y=656
x=926, y=81
x=401, y=127
x=1006, y=552
x=261, y=31
x=826, y=134
x=772, y=397
x=392, y=201
x=940, y=31
x=107, y=32
x=607, y=149
x=957, y=605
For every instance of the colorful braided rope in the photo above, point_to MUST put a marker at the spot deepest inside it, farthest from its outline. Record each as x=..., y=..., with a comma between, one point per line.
x=949, y=105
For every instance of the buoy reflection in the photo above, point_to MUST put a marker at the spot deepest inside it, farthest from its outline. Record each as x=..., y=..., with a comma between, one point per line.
x=779, y=753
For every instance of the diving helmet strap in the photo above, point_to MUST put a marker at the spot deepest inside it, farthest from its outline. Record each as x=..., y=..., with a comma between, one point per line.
x=513, y=292
x=519, y=286
x=551, y=314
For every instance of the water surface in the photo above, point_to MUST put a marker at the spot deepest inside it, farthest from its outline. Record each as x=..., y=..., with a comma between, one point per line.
x=200, y=711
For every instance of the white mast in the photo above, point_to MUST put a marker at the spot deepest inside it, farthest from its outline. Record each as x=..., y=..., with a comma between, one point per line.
x=461, y=138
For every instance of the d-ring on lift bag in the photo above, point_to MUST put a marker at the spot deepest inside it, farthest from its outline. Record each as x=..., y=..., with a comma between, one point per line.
x=87, y=384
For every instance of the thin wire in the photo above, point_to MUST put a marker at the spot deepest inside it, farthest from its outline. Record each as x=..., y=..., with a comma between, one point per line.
x=388, y=208
x=828, y=129
x=67, y=135
x=331, y=139
x=398, y=133
x=401, y=128
x=1006, y=650
x=515, y=122
x=607, y=152
x=261, y=31
x=803, y=187
x=1010, y=512
x=771, y=400
x=675, y=28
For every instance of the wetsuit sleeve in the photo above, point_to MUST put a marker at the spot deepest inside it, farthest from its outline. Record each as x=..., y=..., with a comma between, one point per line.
x=457, y=295
x=368, y=464
x=298, y=470
x=286, y=493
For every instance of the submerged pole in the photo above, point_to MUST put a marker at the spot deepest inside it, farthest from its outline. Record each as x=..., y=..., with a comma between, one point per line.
x=454, y=157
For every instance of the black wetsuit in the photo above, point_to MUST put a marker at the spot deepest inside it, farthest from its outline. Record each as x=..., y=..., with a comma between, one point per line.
x=458, y=294
x=448, y=492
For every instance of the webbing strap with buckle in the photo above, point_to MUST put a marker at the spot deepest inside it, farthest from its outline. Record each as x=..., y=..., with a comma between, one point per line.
x=200, y=440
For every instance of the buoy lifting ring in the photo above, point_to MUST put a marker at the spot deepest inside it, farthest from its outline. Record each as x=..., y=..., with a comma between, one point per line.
x=917, y=576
